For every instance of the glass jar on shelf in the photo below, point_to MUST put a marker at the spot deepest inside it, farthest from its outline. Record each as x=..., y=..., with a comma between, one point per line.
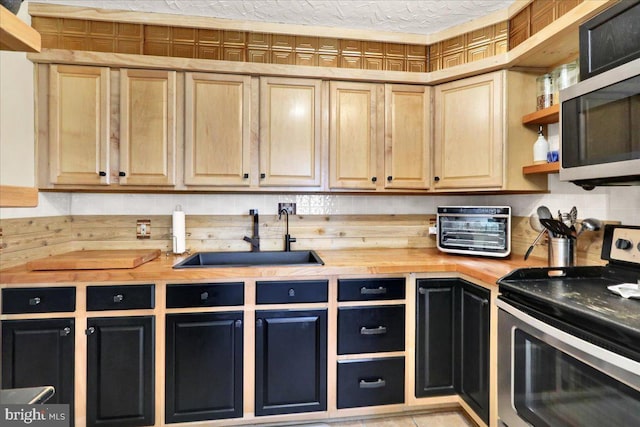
x=544, y=91
x=562, y=77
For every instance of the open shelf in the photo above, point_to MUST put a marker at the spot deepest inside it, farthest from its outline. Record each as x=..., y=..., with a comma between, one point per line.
x=541, y=168
x=543, y=117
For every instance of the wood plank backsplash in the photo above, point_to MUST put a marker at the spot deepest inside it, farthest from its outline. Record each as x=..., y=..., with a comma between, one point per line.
x=24, y=239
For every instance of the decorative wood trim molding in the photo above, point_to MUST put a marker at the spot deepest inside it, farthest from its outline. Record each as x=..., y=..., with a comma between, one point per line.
x=22, y=197
x=16, y=35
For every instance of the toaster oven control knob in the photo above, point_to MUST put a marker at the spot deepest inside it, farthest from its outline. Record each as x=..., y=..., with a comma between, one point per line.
x=624, y=244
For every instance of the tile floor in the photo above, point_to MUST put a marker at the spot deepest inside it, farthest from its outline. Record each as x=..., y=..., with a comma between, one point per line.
x=437, y=419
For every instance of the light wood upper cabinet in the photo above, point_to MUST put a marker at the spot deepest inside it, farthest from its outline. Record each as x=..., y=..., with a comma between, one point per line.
x=78, y=123
x=355, y=133
x=217, y=129
x=147, y=127
x=290, y=132
x=407, y=140
x=468, y=145
x=479, y=140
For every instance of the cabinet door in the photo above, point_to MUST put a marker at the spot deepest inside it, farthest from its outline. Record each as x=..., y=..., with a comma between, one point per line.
x=217, y=129
x=147, y=127
x=407, y=141
x=203, y=367
x=474, y=348
x=120, y=371
x=291, y=361
x=469, y=121
x=435, y=344
x=356, y=127
x=290, y=132
x=78, y=125
x=37, y=353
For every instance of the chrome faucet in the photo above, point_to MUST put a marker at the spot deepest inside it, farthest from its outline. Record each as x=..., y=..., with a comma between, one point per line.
x=255, y=238
x=287, y=237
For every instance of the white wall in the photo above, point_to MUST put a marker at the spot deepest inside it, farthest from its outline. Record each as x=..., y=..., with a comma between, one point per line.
x=17, y=165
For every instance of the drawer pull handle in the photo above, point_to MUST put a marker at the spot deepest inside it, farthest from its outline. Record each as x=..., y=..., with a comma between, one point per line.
x=292, y=292
x=34, y=301
x=379, y=383
x=66, y=331
x=90, y=331
x=373, y=331
x=118, y=298
x=204, y=296
x=376, y=291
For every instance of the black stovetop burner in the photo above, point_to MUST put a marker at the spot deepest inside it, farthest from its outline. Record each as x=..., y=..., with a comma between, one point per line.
x=578, y=298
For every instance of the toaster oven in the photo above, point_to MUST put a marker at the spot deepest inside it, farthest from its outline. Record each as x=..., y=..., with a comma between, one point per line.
x=475, y=230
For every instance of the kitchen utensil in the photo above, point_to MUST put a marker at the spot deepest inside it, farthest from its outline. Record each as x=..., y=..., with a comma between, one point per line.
x=556, y=227
x=544, y=212
x=526, y=255
x=573, y=215
x=590, y=224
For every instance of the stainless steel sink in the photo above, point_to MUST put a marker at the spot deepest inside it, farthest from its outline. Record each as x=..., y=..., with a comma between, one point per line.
x=248, y=259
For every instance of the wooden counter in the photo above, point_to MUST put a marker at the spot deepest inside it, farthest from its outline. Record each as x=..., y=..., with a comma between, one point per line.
x=365, y=261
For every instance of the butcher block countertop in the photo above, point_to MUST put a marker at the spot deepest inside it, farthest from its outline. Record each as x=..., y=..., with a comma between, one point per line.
x=339, y=262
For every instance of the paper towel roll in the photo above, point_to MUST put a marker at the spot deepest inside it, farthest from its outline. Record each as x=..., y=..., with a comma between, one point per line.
x=179, y=233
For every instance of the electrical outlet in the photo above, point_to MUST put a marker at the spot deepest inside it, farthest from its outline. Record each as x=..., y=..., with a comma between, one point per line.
x=290, y=207
x=143, y=229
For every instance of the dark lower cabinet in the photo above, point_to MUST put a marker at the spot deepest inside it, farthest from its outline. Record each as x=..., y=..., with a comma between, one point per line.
x=452, y=341
x=203, y=366
x=436, y=319
x=120, y=371
x=473, y=380
x=38, y=353
x=291, y=361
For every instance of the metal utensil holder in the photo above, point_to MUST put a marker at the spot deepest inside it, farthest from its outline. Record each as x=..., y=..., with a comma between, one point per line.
x=562, y=252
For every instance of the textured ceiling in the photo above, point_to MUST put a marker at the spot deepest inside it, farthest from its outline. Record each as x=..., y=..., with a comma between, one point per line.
x=405, y=16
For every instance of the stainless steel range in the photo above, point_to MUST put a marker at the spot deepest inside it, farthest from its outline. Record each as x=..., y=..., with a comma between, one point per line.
x=569, y=347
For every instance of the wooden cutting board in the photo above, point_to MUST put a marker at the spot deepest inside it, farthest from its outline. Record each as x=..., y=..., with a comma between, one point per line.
x=95, y=260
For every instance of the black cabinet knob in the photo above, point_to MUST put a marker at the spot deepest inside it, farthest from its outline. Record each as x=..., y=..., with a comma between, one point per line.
x=389, y=178
x=245, y=176
x=374, y=179
x=102, y=173
x=436, y=178
x=122, y=173
x=263, y=176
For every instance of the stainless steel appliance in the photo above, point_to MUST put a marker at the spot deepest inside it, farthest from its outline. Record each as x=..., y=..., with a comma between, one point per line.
x=568, y=347
x=600, y=129
x=475, y=230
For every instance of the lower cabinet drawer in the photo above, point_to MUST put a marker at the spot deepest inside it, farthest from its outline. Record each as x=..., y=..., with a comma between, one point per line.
x=370, y=329
x=38, y=300
x=291, y=291
x=121, y=297
x=370, y=382
x=205, y=295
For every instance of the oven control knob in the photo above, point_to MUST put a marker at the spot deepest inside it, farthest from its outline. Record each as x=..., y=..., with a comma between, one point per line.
x=624, y=244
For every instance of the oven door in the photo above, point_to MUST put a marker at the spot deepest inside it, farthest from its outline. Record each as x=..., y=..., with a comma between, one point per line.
x=547, y=377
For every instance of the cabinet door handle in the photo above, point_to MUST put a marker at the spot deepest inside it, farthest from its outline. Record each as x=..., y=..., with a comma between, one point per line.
x=379, y=383
x=90, y=331
x=238, y=324
x=259, y=323
x=375, y=291
x=389, y=178
x=204, y=296
x=263, y=176
x=436, y=178
x=422, y=291
x=245, y=176
x=102, y=173
x=380, y=330
x=66, y=331
x=118, y=298
x=374, y=179
x=485, y=302
x=121, y=173
x=34, y=301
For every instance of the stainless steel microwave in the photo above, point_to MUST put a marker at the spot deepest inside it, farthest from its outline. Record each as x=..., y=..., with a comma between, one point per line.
x=600, y=129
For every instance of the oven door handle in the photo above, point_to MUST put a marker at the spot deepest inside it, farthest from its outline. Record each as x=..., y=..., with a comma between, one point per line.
x=615, y=365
